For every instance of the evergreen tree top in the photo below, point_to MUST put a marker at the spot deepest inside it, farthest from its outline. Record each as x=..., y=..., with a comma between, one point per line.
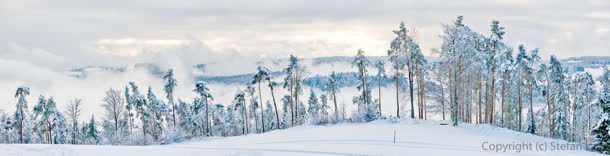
x=458, y=21
x=380, y=65
x=201, y=88
x=22, y=91
x=497, y=30
x=360, y=61
x=170, y=83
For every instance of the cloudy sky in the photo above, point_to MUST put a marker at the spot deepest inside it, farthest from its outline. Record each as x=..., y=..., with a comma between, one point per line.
x=64, y=34
x=41, y=40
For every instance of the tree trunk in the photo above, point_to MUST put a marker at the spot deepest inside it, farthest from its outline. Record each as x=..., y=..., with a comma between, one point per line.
x=171, y=102
x=143, y=130
x=296, y=106
x=207, y=117
x=261, y=106
x=486, y=111
x=542, y=128
x=336, y=109
x=520, y=103
x=442, y=99
x=49, y=129
x=529, y=85
x=420, y=97
x=397, y=95
x=493, y=94
x=574, y=111
x=154, y=129
x=245, y=113
x=411, y=92
x=379, y=88
x=277, y=116
x=480, y=89
x=503, y=94
x=363, y=80
x=74, y=129
x=549, y=105
x=291, y=105
x=21, y=126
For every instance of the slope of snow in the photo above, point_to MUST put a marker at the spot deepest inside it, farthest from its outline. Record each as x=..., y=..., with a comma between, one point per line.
x=413, y=137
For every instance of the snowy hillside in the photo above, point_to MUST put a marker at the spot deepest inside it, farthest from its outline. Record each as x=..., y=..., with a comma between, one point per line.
x=413, y=137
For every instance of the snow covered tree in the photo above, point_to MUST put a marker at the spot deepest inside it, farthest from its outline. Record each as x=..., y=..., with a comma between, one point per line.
x=437, y=89
x=185, y=117
x=323, y=109
x=240, y=106
x=544, y=85
x=130, y=108
x=314, y=107
x=170, y=84
x=21, y=115
x=398, y=56
x=157, y=109
x=530, y=76
x=601, y=135
x=561, y=123
x=39, y=123
x=261, y=75
x=496, y=46
x=263, y=71
x=505, y=66
x=73, y=111
x=294, y=82
x=269, y=118
x=366, y=111
x=559, y=102
x=252, y=108
x=45, y=112
x=6, y=125
x=285, y=114
x=418, y=70
x=204, y=93
x=60, y=129
x=583, y=93
x=92, y=134
x=114, y=104
x=332, y=89
x=381, y=75
x=456, y=53
x=531, y=121
x=233, y=120
x=301, y=113
x=219, y=120
x=141, y=107
x=361, y=63
x=256, y=79
x=405, y=54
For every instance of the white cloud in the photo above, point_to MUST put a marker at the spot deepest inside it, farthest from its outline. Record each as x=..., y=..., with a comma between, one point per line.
x=599, y=15
x=134, y=47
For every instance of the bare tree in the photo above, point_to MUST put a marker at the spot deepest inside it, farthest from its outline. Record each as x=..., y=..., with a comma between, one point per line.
x=73, y=111
x=114, y=103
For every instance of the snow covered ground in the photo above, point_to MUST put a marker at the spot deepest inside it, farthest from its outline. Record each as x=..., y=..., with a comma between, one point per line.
x=413, y=137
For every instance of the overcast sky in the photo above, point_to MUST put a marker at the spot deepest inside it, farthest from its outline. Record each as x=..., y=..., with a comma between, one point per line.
x=62, y=34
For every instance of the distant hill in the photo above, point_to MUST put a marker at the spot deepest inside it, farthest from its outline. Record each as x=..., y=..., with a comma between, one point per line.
x=317, y=67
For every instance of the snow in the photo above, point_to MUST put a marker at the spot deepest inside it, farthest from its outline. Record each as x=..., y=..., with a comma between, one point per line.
x=413, y=137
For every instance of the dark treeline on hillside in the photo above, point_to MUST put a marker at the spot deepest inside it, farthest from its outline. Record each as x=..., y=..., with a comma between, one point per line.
x=477, y=79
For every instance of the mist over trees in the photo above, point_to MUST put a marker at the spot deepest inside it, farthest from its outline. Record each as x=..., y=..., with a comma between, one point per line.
x=477, y=78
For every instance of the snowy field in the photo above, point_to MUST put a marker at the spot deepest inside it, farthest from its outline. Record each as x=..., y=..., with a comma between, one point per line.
x=413, y=137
